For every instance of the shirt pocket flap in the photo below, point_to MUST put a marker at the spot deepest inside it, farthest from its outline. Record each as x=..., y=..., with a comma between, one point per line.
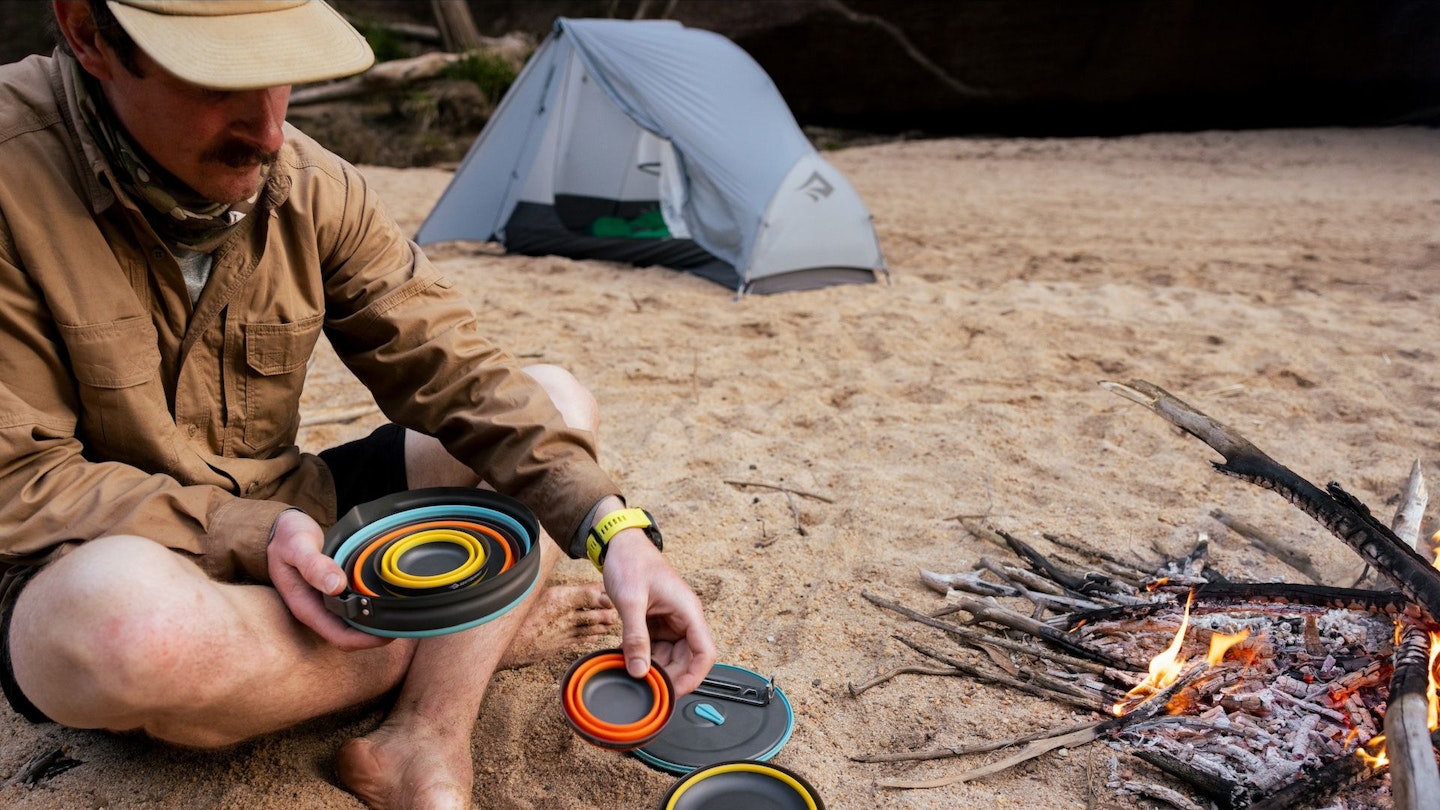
x=280, y=348
x=119, y=354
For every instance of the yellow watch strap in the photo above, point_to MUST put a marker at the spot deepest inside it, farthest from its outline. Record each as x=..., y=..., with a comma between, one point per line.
x=598, y=543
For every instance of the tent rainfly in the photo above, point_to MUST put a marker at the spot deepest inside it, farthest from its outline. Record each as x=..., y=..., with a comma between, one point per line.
x=650, y=143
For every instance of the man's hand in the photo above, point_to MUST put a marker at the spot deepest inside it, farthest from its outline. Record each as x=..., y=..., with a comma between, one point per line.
x=662, y=617
x=302, y=574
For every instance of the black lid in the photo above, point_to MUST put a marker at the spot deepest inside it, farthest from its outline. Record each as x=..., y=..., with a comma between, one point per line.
x=734, y=715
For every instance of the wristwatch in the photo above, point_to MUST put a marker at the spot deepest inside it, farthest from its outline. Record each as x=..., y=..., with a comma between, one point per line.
x=598, y=543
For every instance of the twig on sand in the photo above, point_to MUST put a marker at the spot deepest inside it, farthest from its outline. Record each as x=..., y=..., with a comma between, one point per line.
x=779, y=488
x=884, y=677
x=42, y=766
x=1061, y=738
x=789, y=500
x=964, y=750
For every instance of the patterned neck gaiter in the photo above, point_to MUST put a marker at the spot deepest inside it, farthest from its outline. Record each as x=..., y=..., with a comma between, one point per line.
x=178, y=214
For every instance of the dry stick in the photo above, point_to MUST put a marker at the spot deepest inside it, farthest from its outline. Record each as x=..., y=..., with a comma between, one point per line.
x=1065, y=738
x=779, y=488
x=1334, y=508
x=43, y=766
x=965, y=750
x=855, y=690
x=1014, y=621
x=976, y=638
x=795, y=513
x=1020, y=583
x=1408, y=516
x=969, y=582
x=1073, y=584
x=1135, y=567
x=984, y=532
x=1414, y=778
x=1028, y=579
x=1276, y=548
x=1039, y=685
x=1079, y=585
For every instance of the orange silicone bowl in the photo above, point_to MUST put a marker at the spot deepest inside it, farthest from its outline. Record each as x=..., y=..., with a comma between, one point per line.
x=610, y=709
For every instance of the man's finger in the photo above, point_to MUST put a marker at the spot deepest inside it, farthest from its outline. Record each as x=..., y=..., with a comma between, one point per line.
x=323, y=574
x=635, y=642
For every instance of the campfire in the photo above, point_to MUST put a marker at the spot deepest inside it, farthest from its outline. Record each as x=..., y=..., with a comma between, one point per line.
x=1220, y=692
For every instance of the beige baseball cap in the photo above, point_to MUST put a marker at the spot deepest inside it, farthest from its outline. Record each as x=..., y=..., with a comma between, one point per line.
x=245, y=44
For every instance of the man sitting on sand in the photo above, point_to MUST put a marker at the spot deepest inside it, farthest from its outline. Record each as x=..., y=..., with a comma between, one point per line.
x=170, y=251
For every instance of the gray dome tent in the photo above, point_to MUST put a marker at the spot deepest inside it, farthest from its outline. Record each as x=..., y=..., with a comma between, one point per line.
x=651, y=143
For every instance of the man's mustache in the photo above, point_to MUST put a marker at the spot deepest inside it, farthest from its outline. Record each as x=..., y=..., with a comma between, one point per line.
x=239, y=155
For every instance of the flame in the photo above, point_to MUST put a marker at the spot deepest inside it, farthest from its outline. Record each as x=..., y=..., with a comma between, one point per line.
x=1220, y=643
x=1164, y=668
x=1380, y=758
x=1434, y=718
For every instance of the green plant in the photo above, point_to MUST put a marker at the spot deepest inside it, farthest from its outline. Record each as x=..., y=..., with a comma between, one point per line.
x=492, y=74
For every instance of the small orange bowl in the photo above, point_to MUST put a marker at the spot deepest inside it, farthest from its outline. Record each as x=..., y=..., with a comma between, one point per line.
x=610, y=709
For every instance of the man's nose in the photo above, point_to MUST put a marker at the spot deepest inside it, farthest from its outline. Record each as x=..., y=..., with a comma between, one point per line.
x=260, y=116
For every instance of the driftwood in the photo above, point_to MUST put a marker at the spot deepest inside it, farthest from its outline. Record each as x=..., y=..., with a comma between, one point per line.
x=386, y=76
x=456, y=25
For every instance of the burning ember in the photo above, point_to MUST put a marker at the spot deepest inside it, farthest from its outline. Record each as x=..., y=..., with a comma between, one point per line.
x=1166, y=667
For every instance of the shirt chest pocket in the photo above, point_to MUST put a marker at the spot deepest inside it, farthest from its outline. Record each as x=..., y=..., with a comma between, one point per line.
x=276, y=357
x=123, y=415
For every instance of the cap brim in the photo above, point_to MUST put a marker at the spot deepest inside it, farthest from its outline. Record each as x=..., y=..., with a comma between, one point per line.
x=309, y=42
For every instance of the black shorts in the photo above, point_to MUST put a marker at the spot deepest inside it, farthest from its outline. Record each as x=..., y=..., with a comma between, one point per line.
x=363, y=470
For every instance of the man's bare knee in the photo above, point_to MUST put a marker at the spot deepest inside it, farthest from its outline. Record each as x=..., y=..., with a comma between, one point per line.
x=107, y=632
x=574, y=401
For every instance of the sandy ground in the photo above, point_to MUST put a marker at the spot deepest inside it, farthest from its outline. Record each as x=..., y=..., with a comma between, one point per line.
x=1285, y=282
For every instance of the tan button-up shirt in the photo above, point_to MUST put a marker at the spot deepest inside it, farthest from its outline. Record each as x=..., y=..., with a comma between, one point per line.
x=125, y=409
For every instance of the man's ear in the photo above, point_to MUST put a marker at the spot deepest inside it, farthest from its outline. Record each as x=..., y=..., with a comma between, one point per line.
x=77, y=25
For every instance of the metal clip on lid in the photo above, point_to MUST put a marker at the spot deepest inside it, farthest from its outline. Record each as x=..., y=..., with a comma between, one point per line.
x=748, y=694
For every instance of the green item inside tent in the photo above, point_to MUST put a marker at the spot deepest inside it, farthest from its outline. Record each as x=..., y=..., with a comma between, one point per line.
x=649, y=225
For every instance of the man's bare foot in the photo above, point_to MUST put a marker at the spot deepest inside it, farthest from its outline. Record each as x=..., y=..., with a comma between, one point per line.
x=388, y=771
x=562, y=617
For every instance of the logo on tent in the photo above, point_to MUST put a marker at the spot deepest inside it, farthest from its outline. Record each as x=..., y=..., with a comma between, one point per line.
x=816, y=187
